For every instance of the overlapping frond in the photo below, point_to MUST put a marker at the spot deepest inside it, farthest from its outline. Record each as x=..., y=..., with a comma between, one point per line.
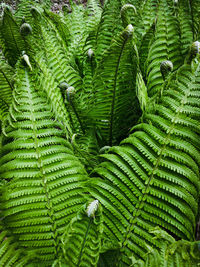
x=152, y=178
x=81, y=243
x=173, y=253
x=6, y=87
x=44, y=180
x=110, y=25
x=114, y=107
x=186, y=26
x=165, y=46
x=54, y=51
x=12, y=42
x=10, y=254
x=195, y=12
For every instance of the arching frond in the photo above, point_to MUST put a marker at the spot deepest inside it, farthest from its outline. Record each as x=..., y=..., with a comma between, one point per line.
x=173, y=253
x=114, y=107
x=165, y=46
x=12, y=42
x=81, y=243
x=109, y=26
x=44, y=188
x=10, y=254
x=6, y=87
x=152, y=178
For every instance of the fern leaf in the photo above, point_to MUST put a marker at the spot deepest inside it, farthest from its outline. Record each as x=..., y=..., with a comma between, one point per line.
x=172, y=253
x=82, y=239
x=13, y=43
x=166, y=46
x=6, y=87
x=152, y=178
x=186, y=25
x=10, y=254
x=44, y=180
x=110, y=25
x=195, y=11
x=56, y=59
x=51, y=87
x=113, y=89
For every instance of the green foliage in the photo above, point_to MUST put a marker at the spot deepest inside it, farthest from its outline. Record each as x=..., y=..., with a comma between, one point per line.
x=11, y=41
x=114, y=92
x=43, y=177
x=152, y=178
x=6, y=87
x=10, y=254
x=81, y=243
x=100, y=111
x=173, y=253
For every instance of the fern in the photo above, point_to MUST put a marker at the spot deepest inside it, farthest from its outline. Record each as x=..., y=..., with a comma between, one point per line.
x=109, y=26
x=13, y=43
x=83, y=79
x=185, y=20
x=153, y=178
x=6, y=87
x=82, y=240
x=43, y=176
x=166, y=46
x=113, y=90
x=173, y=253
x=10, y=254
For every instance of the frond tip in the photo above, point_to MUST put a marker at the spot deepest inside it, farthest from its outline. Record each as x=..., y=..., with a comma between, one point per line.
x=92, y=208
x=25, y=29
x=166, y=66
x=90, y=53
x=26, y=60
x=128, y=31
x=195, y=48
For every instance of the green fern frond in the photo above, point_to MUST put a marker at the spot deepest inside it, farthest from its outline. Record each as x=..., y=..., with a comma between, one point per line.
x=10, y=254
x=48, y=83
x=53, y=52
x=6, y=88
x=61, y=26
x=153, y=177
x=172, y=253
x=195, y=12
x=186, y=25
x=110, y=25
x=23, y=11
x=166, y=46
x=114, y=107
x=44, y=180
x=81, y=243
x=11, y=40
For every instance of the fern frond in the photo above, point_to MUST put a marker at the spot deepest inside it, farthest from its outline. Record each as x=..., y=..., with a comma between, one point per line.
x=44, y=180
x=6, y=87
x=186, y=24
x=110, y=25
x=166, y=46
x=81, y=242
x=172, y=253
x=54, y=54
x=152, y=178
x=48, y=83
x=195, y=12
x=23, y=11
x=114, y=90
x=13, y=43
x=10, y=254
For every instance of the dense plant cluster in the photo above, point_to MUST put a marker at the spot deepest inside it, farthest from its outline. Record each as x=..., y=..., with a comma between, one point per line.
x=100, y=126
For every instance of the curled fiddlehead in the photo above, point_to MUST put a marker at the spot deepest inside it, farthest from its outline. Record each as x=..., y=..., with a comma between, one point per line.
x=25, y=29
x=166, y=67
